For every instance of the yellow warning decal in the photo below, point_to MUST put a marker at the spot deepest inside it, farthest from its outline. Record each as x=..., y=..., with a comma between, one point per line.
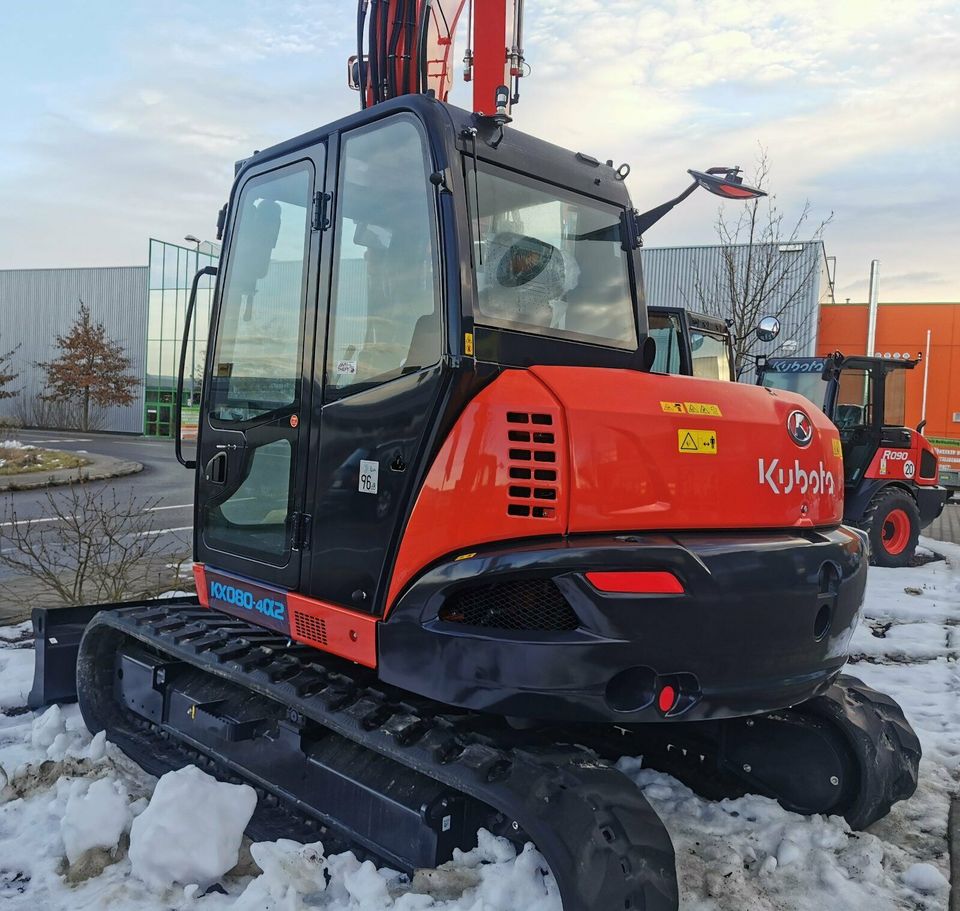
x=672, y=407
x=468, y=344
x=703, y=408
x=837, y=449
x=700, y=441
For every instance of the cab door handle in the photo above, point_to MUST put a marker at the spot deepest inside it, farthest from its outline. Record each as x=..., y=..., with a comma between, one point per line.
x=215, y=470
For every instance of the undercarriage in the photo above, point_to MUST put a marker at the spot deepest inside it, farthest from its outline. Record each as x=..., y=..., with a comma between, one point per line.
x=334, y=753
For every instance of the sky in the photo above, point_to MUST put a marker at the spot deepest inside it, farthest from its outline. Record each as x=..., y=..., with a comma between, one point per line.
x=122, y=121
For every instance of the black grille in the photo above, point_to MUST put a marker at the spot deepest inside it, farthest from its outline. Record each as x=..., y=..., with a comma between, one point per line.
x=928, y=464
x=523, y=604
x=533, y=458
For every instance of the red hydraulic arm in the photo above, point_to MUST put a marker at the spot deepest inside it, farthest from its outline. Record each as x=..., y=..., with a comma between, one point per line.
x=406, y=46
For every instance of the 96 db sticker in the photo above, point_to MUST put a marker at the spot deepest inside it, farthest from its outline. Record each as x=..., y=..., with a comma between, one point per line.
x=369, y=476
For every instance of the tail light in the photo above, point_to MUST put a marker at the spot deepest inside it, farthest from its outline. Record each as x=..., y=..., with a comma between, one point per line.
x=643, y=582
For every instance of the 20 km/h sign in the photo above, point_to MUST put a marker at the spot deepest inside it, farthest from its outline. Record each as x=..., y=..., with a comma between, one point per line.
x=702, y=442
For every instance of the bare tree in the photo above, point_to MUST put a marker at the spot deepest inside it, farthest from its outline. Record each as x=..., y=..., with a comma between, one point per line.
x=757, y=277
x=90, y=544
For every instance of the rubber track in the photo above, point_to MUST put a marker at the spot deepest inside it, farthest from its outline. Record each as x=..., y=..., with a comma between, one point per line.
x=885, y=746
x=604, y=843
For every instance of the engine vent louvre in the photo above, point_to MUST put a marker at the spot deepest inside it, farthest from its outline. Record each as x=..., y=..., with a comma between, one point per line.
x=520, y=604
x=532, y=464
x=928, y=464
x=309, y=628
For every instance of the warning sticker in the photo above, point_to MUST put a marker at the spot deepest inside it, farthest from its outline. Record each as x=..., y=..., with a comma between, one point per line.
x=672, y=407
x=703, y=408
x=837, y=449
x=700, y=441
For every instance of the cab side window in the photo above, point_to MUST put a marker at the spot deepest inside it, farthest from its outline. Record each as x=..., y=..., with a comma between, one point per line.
x=385, y=319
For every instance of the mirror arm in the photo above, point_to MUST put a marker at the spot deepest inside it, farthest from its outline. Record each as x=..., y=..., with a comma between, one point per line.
x=178, y=405
x=646, y=220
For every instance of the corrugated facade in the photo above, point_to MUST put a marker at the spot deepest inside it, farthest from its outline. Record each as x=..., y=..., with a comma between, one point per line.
x=902, y=333
x=38, y=304
x=697, y=278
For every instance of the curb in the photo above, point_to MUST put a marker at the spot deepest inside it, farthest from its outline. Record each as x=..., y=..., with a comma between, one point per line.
x=101, y=468
x=953, y=842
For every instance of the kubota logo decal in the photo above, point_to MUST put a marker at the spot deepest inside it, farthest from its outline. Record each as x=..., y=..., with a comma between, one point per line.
x=800, y=428
x=783, y=480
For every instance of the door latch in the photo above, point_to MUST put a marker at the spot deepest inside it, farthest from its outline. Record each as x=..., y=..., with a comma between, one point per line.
x=300, y=531
x=321, y=211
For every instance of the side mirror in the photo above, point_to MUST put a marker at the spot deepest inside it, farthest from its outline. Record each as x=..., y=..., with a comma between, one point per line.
x=725, y=182
x=768, y=329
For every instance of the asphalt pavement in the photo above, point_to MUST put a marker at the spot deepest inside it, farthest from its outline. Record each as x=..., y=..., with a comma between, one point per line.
x=164, y=486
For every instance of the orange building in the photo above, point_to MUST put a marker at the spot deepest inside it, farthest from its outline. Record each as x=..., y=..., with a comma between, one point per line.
x=902, y=332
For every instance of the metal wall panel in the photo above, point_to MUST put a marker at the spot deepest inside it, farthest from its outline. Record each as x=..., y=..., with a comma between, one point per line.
x=695, y=278
x=36, y=305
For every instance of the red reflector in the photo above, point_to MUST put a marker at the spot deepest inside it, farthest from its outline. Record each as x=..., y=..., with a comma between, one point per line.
x=666, y=699
x=200, y=577
x=637, y=583
x=737, y=192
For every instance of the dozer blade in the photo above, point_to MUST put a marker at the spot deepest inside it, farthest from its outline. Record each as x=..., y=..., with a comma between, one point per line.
x=56, y=634
x=403, y=778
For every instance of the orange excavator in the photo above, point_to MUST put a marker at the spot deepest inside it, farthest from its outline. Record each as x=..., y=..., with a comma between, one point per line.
x=456, y=547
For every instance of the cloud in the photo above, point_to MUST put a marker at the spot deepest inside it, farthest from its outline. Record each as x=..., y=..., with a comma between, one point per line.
x=857, y=103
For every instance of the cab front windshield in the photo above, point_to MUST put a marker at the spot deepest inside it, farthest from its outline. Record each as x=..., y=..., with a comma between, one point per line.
x=803, y=377
x=549, y=262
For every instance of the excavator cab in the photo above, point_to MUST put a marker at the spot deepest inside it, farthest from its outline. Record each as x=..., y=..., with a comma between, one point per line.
x=362, y=268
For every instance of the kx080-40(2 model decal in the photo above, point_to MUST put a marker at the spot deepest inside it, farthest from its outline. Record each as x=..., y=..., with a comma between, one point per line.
x=239, y=597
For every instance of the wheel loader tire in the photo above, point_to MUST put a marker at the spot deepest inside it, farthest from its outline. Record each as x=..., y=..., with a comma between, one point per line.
x=892, y=521
x=885, y=748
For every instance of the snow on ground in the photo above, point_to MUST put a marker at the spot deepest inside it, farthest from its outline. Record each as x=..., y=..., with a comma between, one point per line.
x=81, y=827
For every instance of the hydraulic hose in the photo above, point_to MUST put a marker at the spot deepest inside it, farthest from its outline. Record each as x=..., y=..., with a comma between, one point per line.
x=383, y=28
x=423, y=30
x=409, y=24
x=372, y=52
x=361, y=66
x=393, y=70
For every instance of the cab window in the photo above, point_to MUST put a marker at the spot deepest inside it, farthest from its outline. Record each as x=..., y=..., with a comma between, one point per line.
x=385, y=316
x=548, y=261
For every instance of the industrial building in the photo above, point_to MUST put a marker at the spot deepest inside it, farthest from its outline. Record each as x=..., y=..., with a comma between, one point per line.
x=930, y=332
x=795, y=279
x=142, y=309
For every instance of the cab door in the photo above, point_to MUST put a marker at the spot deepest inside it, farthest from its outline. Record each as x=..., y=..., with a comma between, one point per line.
x=255, y=413
x=384, y=378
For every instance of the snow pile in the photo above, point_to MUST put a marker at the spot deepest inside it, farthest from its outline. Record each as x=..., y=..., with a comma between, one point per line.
x=16, y=665
x=97, y=814
x=192, y=829
x=291, y=872
x=67, y=797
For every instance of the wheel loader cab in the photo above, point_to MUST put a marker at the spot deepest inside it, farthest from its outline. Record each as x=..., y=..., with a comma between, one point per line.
x=890, y=471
